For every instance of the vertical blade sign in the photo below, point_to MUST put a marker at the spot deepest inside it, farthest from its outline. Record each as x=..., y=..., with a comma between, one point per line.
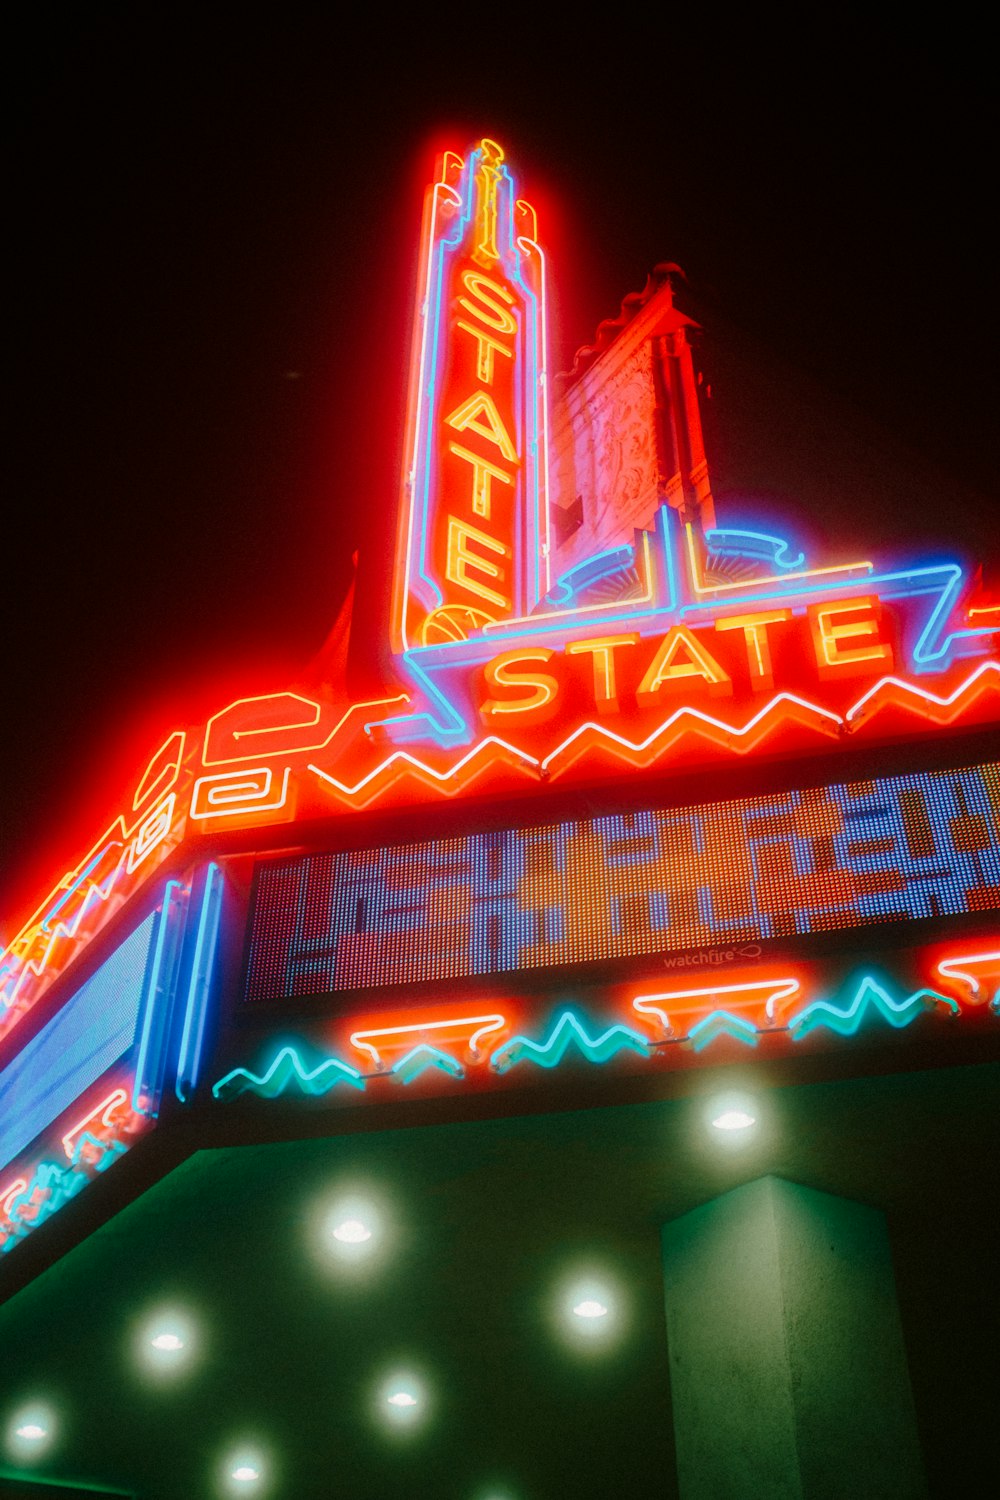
x=473, y=543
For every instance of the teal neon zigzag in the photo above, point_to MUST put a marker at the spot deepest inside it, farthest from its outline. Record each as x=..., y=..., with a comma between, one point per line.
x=104, y=1151
x=55, y=1185
x=721, y=1023
x=286, y=1069
x=869, y=996
x=568, y=1030
x=423, y=1057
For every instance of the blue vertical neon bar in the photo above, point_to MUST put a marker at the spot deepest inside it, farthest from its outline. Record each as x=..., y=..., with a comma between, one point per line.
x=199, y=984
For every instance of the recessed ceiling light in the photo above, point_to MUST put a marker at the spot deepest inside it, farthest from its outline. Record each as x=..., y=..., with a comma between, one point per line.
x=32, y=1432
x=734, y=1119
x=352, y=1232
x=245, y=1471
x=590, y=1308
x=732, y=1116
x=167, y=1341
x=402, y=1400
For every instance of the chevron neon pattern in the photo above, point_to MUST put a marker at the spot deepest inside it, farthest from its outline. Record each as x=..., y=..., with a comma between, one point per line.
x=287, y=1070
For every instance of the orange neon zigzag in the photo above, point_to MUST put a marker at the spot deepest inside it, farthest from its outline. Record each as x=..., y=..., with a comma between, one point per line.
x=784, y=708
x=89, y=896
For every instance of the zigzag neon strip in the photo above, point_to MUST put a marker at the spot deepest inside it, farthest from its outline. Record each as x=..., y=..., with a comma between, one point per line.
x=288, y=1068
x=721, y=1023
x=421, y=1058
x=869, y=994
x=16, y=969
x=782, y=709
x=941, y=710
x=568, y=1032
x=47, y=929
x=425, y=772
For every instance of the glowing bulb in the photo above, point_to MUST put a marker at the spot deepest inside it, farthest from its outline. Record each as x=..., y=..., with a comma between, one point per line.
x=31, y=1431
x=246, y=1473
x=734, y=1119
x=590, y=1308
x=402, y=1398
x=169, y=1341
x=352, y=1232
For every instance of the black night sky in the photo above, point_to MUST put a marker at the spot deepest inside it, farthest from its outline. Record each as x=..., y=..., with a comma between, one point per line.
x=215, y=223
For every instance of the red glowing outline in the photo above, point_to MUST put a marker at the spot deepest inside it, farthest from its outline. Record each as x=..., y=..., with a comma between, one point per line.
x=105, y=1109
x=143, y=793
x=8, y=1194
x=948, y=969
x=771, y=995
x=491, y=1025
x=251, y=797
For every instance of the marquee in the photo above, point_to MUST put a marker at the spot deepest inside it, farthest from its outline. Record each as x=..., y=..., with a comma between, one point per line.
x=532, y=655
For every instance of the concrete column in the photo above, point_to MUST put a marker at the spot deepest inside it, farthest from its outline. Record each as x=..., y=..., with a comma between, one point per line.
x=788, y=1376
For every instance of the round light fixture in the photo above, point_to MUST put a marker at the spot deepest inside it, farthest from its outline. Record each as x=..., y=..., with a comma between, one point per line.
x=352, y=1232
x=734, y=1119
x=30, y=1432
x=167, y=1342
x=590, y=1308
x=245, y=1471
x=402, y=1401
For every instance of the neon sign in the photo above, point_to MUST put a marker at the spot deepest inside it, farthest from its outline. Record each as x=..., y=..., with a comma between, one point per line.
x=78, y=1094
x=473, y=541
x=524, y=660
x=659, y=1028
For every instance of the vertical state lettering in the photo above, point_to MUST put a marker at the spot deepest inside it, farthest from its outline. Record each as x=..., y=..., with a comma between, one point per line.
x=473, y=544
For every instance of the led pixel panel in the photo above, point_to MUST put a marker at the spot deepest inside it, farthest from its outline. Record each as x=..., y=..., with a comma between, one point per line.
x=88, y=1035
x=629, y=884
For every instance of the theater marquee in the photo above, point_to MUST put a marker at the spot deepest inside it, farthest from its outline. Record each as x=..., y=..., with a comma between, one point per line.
x=568, y=613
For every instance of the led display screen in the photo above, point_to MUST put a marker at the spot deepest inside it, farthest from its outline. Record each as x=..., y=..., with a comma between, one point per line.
x=629, y=884
x=94, y=1028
